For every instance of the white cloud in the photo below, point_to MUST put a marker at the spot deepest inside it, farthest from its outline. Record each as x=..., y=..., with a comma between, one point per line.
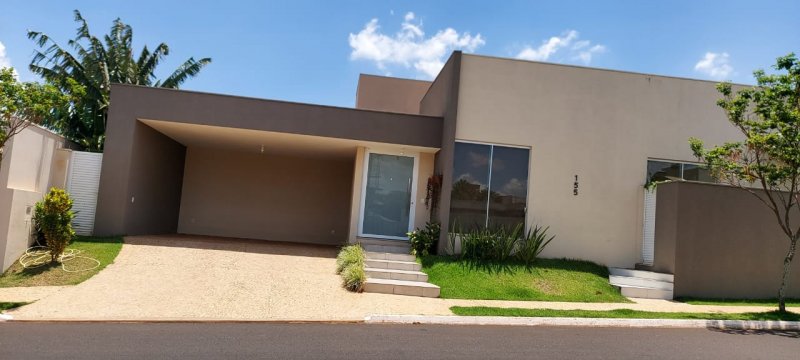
x=409, y=47
x=577, y=50
x=514, y=187
x=714, y=65
x=4, y=60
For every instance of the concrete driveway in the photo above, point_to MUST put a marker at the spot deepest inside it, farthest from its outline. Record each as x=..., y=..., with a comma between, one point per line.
x=209, y=278
x=191, y=278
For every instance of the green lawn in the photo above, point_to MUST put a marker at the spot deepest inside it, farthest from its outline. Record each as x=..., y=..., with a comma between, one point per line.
x=620, y=314
x=739, y=302
x=104, y=250
x=10, y=305
x=549, y=280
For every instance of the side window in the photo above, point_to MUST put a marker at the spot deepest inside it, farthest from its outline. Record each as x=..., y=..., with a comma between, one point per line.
x=664, y=171
x=490, y=186
x=697, y=173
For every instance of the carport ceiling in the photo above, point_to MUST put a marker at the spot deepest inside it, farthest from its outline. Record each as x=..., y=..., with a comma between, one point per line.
x=245, y=140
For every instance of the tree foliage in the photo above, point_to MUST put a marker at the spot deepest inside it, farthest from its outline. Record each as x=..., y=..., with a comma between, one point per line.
x=768, y=115
x=94, y=64
x=25, y=103
x=53, y=217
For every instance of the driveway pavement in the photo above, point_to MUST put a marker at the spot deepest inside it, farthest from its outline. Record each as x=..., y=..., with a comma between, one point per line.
x=193, y=278
x=207, y=278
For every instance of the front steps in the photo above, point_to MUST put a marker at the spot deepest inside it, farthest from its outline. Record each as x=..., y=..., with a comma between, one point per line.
x=395, y=273
x=642, y=284
x=386, y=246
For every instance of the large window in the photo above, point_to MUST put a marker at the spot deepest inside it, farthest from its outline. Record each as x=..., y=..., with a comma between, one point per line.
x=658, y=170
x=490, y=185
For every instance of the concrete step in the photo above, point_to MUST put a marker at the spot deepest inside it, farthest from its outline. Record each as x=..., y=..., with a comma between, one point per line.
x=646, y=293
x=628, y=281
x=401, y=287
x=396, y=274
x=641, y=274
x=389, y=256
x=393, y=264
x=394, y=249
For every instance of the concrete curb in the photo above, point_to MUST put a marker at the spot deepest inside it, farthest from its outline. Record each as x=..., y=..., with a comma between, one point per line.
x=583, y=322
x=10, y=319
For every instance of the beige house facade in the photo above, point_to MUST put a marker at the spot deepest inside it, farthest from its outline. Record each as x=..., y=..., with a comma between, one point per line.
x=515, y=142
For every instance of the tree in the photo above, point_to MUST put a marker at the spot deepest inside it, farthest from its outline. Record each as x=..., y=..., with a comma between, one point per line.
x=95, y=65
x=25, y=103
x=768, y=115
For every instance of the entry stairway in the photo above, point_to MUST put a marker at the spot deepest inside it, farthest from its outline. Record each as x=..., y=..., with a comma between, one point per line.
x=642, y=284
x=391, y=270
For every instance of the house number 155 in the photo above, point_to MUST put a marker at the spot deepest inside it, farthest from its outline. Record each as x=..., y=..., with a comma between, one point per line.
x=575, y=186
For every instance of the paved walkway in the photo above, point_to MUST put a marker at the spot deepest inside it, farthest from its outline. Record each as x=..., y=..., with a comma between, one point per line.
x=206, y=278
x=29, y=293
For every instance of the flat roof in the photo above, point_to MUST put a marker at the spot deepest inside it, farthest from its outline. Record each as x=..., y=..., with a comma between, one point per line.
x=193, y=107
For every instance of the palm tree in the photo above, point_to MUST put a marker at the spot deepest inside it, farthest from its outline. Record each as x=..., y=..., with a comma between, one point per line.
x=93, y=67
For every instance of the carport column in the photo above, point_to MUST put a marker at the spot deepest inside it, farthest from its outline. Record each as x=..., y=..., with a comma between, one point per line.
x=355, y=202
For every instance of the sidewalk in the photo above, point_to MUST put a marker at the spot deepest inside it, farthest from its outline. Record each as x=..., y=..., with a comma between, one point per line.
x=28, y=293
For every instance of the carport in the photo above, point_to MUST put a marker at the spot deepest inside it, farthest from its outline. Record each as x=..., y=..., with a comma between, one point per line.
x=205, y=164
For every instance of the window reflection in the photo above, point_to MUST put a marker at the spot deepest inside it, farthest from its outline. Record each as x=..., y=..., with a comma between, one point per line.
x=468, y=199
x=697, y=173
x=663, y=171
x=490, y=186
x=509, y=186
x=668, y=171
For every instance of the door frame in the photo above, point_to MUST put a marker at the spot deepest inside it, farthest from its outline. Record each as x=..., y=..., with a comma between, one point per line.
x=413, y=195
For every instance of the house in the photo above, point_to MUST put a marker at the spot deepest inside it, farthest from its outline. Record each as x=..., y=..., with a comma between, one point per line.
x=515, y=142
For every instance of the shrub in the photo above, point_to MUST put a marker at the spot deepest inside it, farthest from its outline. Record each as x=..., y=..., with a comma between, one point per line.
x=532, y=244
x=501, y=244
x=350, y=264
x=53, y=217
x=422, y=240
x=477, y=244
x=353, y=277
x=505, y=242
x=349, y=255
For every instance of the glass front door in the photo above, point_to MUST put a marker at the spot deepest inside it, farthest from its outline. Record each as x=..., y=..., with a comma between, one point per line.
x=388, y=200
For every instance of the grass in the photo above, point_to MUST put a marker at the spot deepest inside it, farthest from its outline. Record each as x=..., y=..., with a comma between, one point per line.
x=548, y=280
x=620, y=314
x=104, y=249
x=739, y=302
x=10, y=305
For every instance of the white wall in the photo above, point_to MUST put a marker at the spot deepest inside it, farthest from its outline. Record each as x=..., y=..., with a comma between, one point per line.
x=26, y=173
x=600, y=125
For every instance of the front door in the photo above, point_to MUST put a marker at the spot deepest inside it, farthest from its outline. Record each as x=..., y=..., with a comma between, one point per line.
x=387, y=209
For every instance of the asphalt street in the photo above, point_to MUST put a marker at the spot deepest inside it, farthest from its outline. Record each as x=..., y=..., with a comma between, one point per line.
x=362, y=341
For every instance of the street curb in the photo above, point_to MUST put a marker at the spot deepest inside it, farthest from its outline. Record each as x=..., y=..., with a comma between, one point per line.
x=6, y=318
x=583, y=322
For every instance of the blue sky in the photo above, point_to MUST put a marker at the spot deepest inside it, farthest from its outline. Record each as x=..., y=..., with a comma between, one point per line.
x=313, y=51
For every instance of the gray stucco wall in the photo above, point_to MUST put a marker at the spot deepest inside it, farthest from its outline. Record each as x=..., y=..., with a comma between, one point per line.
x=720, y=242
x=266, y=197
x=140, y=181
x=442, y=100
x=141, y=163
x=390, y=94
